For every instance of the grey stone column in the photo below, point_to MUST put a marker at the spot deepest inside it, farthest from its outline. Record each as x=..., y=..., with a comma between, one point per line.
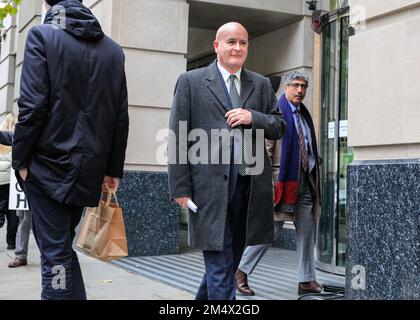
x=383, y=230
x=152, y=222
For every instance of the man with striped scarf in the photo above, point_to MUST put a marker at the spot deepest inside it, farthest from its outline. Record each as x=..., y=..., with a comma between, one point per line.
x=295, y=164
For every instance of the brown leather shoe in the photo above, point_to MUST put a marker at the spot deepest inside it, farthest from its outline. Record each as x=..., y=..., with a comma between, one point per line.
x=17, y=263
x=309, y=287
x=242, y=284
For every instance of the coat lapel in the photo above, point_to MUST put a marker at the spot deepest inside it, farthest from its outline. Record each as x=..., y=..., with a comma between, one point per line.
x=216, y=86
x=247, y=87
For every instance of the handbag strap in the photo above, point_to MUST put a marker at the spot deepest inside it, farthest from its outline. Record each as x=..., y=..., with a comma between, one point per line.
x=109, y=197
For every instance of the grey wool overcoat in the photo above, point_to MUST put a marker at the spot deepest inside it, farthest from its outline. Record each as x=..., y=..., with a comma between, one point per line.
x=201, y=102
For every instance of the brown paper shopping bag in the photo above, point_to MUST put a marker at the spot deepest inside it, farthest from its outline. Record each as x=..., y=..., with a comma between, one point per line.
x=102, y=233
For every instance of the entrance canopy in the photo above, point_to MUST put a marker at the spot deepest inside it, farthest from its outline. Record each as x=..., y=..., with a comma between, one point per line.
x=212, y=14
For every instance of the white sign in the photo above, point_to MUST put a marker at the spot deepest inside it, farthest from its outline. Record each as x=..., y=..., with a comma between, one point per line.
x=343, y=128
x=17, y=198
x=331, y=129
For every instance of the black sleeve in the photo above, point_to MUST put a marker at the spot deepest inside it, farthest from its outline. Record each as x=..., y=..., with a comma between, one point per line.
x=116, y=159
x=33, y=100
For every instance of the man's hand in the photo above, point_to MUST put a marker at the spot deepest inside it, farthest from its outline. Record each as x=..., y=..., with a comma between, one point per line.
x=238, y=116
x=110, y=183
x=182, y=201
x=23, y=173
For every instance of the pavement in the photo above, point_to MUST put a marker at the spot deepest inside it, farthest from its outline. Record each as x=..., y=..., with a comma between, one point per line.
x=103, y=281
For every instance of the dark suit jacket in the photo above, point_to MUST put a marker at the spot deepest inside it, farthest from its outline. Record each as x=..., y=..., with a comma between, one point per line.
x=200, y=102
x=73, y=110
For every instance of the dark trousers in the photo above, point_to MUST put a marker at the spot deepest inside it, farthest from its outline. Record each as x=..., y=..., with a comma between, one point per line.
x=12, y=227
x=218, y=282
x=10, y=215
x=54, y=230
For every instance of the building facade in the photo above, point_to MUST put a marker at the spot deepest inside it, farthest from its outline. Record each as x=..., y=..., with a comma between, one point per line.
x=363, y=96
x=162, y=39
x=383, y=232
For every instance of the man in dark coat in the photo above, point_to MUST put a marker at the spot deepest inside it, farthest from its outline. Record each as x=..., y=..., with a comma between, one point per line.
x=72, y=133
x=235, y=204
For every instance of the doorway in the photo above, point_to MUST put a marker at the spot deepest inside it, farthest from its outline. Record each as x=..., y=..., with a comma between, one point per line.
x=331, y=242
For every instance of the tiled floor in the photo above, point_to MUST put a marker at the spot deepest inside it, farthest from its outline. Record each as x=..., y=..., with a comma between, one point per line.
x=275, y=277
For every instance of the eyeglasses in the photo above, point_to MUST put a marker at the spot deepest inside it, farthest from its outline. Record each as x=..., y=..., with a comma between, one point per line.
x=297, y=85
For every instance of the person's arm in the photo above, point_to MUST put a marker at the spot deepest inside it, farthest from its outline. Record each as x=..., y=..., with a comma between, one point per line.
x=6, y=137
x=33, y=100
x=273, y=121
x=269, y=146
x=272, y=147
x=179, y=178
x=115, y=167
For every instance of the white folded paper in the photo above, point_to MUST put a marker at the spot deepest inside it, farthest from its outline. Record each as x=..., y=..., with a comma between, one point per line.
x=192, y=206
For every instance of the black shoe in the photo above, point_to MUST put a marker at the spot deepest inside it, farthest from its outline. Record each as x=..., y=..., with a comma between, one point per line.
x=16, y=263
x=11, y=247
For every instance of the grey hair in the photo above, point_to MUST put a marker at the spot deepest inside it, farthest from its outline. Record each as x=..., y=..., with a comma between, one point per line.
x=296, y=75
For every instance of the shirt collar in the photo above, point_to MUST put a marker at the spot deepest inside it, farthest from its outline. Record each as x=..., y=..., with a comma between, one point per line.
x=293, y=107
x=226, y=74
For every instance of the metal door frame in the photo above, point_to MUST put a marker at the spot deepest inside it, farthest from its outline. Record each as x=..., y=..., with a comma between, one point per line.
x=335, y=16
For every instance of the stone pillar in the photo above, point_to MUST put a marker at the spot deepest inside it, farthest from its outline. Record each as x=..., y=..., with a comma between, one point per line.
x=383, y=254
x=7, y=64
x=29, y=15
x=383, y=250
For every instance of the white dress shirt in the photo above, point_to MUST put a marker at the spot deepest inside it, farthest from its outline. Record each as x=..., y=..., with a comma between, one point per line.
x=226, y=74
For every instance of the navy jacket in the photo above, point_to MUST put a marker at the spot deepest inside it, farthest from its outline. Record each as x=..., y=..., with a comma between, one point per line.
x=73, y=109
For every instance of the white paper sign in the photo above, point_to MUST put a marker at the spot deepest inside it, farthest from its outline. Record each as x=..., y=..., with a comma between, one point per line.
x=331, y=129
x=17, y=198
x=343, y=128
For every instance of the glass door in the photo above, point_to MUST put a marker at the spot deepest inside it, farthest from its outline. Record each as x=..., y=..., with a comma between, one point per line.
x=333, y=143
x=325, y=243
x=345, y=153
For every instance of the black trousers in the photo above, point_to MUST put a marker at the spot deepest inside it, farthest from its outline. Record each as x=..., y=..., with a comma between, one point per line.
x=9, y=215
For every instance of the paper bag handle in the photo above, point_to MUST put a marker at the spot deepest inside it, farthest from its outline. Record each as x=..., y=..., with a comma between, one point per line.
x=111, y=193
